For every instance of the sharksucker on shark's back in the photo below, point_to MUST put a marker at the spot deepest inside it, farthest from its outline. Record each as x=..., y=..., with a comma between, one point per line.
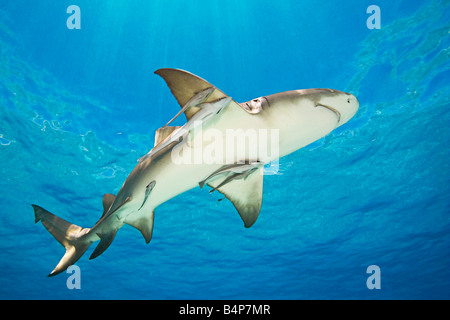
x=299, y=117
x=196, y=100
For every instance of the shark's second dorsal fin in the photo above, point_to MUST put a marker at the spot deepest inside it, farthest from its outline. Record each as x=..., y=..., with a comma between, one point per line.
x=109, y=207
x=185, y=85
x=162, y=133
x=245, y=194
x=108, y=200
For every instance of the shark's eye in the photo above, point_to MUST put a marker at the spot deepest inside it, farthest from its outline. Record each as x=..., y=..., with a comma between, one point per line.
x=348, y=100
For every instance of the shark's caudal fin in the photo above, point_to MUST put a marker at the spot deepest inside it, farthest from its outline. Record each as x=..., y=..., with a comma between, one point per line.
x=69, y=235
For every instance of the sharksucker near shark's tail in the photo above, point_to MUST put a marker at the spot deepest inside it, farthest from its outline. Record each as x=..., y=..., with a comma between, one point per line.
x=69, y=235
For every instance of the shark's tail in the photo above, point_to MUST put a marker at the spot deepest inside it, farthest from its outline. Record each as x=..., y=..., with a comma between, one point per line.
x=69, y=235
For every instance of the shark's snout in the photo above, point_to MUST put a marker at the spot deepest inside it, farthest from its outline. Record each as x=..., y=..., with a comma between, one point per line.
x=343, y=104
x=348, y=109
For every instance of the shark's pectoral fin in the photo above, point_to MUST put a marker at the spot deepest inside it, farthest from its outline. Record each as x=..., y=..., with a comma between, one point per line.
x=105, y=242
x=144, y=223
x=245, y=194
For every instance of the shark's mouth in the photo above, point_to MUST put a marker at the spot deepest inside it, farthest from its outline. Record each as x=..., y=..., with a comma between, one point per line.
x=336, y=112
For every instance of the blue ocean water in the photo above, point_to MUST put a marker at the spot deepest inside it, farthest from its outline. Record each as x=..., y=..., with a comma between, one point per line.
x=79, y=107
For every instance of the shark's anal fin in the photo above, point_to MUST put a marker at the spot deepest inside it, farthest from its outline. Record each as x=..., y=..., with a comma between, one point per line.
x=144, y=223
x=245, y=194
x=105, y=242
x=106, y=238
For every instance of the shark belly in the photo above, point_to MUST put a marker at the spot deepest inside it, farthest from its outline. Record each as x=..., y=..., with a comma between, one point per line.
x=281, y=132
x=292, y=131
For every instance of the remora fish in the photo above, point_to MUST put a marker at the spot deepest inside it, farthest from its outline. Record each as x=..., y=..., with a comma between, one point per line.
x=300, y=116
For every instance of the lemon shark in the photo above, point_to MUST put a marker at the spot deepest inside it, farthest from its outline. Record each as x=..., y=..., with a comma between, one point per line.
x=298, y=118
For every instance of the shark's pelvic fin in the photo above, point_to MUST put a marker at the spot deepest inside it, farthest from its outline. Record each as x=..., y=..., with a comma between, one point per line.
x=68, y=234
x=245, y=194
x=144, y=223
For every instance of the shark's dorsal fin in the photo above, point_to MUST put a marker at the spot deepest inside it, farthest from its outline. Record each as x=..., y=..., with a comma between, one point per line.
x=184, y=85
x=108, y=200
x=245, y=194
x=162, y=133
